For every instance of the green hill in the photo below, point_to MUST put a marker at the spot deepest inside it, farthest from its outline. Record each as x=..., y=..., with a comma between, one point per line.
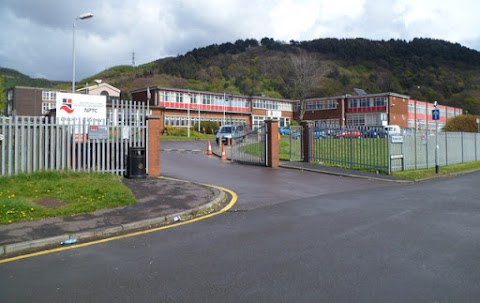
x=425, y=69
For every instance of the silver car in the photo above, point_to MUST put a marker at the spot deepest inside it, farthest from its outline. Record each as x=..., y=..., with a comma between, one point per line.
x=228, y=133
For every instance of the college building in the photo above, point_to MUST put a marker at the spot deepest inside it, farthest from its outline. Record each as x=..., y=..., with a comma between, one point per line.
x=177, y=106
x=375, y=110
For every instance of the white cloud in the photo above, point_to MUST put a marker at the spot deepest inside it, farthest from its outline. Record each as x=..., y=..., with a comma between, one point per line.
x=38, y=37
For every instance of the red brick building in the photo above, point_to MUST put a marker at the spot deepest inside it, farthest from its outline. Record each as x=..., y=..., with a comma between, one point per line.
x=374, y=110
x=177, y=106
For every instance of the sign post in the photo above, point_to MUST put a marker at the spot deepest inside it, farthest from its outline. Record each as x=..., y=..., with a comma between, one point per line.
x=436, y=117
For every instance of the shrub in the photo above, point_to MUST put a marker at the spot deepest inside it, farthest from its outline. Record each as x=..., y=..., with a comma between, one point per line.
x=464, y=123
x=178, y=131
x=207, y=127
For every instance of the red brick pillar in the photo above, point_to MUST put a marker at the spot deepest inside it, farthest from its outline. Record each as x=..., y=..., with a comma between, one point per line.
x=154, y=130
x=307, y=143
x=273, y=144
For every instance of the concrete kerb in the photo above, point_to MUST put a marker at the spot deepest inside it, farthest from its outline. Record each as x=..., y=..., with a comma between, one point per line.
x=9, y=250
x=343, y=174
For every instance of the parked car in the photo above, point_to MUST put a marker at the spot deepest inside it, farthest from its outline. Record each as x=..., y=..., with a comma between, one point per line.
x=232, y=132
x=284, y=130
x=375, y=133
x=317, y=134
x=382, y=132
x=349, y=133
x=320, y=134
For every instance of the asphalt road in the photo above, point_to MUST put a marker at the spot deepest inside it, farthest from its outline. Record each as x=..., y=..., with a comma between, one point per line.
x=292, y=237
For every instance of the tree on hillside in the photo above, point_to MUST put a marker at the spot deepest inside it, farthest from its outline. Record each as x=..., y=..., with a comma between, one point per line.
x=306, y=73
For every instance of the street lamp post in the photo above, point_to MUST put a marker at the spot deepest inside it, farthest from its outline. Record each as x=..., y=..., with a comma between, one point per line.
x=81, y=17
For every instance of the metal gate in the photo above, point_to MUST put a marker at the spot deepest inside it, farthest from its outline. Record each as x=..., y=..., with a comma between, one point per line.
x=250, y=148
x=296, y=143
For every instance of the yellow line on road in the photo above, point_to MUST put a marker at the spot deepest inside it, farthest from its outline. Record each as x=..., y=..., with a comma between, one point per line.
x=63, y=248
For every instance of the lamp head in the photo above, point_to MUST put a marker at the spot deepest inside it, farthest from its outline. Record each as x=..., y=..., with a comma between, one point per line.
x=85, y=16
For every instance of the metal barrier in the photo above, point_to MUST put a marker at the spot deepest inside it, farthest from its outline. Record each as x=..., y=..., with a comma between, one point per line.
x=251, y=147
x=351, y=148
x=30, y=144
x=374, y=149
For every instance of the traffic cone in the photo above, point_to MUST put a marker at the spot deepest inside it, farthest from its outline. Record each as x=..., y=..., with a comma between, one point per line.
x=209, y=150
x=224, y=156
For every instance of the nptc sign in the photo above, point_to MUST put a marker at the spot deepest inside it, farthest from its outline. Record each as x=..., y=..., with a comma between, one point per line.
x=75, y=108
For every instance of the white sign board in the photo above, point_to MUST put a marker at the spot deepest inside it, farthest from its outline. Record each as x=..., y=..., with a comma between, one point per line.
x=74, y=108
x=274, y=114
x=397, y=139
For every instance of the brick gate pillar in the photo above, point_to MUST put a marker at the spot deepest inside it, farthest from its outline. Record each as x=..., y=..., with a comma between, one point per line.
x=273, y=148
x=154, y=131
x=307, y=140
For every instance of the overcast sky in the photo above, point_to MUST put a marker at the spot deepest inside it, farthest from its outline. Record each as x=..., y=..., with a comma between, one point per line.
x=36, y=35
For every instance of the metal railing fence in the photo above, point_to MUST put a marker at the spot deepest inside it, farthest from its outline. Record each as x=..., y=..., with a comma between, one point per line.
x=369, y=148
x=419, y=147
x=30, y=144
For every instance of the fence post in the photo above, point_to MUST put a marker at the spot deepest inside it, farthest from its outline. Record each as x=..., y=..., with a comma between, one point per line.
x=307, y=130
x=154, y=131
x=273, y=150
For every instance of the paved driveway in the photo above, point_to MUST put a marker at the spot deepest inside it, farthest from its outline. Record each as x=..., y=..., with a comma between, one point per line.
x=256, y=186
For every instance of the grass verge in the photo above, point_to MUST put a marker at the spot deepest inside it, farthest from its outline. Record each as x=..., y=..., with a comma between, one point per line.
x=426, y=173
x=48, y=194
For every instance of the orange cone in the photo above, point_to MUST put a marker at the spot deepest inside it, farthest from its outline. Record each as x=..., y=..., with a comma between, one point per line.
x=209, y=150
x=224, y=156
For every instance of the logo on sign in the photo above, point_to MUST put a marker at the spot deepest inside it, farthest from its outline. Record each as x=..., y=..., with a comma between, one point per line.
x=67, y=105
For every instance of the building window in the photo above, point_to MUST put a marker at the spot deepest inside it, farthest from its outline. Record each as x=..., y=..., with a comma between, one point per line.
x=380, y=101
x=49, y=95
x=411, y=108
x=364, y=119
x=47, y=106
x=421, y=108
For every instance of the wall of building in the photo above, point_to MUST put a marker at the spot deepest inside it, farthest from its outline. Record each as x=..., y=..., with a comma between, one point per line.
x=26, y=101
x=101, y=89
x=398, y=115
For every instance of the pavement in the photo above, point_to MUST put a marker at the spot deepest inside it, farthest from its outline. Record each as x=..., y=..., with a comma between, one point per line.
x=160, y=202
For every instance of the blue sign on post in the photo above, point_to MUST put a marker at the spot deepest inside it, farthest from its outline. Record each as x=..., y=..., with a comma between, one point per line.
x=435, y=114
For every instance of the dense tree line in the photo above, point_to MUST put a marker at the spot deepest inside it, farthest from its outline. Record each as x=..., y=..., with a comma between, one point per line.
x=425, y=69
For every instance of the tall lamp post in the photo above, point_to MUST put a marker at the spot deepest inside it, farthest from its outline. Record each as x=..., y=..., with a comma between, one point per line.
x=81, y=17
